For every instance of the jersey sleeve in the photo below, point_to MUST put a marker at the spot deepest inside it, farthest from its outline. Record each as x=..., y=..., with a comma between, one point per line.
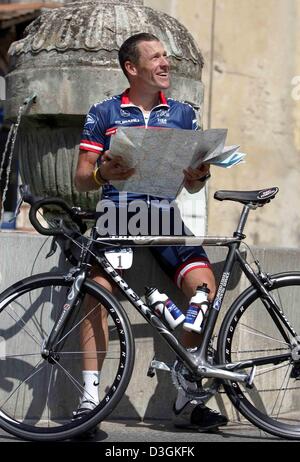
x=93, y=133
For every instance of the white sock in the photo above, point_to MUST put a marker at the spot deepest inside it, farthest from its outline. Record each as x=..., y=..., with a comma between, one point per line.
x=91, y=381
x=182, y=399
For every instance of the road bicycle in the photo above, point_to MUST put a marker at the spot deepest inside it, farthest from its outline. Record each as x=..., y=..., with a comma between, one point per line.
x=256, y=358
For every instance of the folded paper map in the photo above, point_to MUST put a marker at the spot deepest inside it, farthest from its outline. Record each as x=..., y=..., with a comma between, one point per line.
x=160, y=155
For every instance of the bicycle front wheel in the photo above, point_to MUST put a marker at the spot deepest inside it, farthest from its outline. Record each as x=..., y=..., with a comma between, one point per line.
x=248, y=332
x=38, y=396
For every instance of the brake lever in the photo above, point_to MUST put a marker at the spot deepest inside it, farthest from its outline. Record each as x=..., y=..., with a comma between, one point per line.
x=53, y=248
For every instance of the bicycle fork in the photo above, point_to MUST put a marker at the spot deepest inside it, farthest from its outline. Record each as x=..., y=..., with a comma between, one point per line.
x=71, y=301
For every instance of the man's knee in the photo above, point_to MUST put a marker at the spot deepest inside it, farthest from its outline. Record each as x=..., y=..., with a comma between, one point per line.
x=196, y=278
x=101, y=279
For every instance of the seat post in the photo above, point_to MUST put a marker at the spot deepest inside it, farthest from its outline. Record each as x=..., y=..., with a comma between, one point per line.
x=243, y=220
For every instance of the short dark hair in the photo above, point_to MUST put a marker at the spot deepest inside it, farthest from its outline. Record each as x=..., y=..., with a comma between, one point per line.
x=129, y=49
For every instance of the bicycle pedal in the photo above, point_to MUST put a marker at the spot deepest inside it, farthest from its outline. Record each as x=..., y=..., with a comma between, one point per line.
x=157, y=365
x=249, y=383
x=151, y=372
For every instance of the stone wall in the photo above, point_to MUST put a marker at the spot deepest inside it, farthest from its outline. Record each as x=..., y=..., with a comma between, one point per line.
x=251, y=58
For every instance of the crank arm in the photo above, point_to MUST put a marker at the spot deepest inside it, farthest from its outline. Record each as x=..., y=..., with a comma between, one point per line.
x=218, y=373
x=160, y=365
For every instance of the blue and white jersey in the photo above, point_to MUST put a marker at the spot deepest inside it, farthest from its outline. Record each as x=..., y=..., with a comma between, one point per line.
x=104, y=119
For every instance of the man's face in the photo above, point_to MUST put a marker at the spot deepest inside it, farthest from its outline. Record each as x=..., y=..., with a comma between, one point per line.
x=153, y=67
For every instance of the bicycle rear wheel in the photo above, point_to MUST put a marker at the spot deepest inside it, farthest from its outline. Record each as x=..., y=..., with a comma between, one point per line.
x=249, y=332
x=37, y=395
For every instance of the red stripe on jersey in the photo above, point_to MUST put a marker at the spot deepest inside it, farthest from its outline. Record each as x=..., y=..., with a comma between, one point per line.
x=188, y=262
x=110, y=131
x=92, y=142
x=87, y=148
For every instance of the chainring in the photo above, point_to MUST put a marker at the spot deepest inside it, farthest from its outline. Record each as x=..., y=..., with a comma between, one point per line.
x=206, y=387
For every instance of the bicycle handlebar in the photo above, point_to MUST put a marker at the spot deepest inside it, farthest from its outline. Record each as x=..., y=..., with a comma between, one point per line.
x=36, y=203
x=63, y=205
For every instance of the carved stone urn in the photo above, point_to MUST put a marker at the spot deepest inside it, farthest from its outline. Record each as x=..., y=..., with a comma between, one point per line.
x=68, y=58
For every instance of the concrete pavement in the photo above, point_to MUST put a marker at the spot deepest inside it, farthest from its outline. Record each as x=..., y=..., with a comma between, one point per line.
x=133, y=431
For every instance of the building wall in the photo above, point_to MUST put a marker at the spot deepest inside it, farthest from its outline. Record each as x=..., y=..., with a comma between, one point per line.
x=251, y=52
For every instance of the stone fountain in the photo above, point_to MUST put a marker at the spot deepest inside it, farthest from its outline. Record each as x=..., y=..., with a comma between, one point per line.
x=68, y=59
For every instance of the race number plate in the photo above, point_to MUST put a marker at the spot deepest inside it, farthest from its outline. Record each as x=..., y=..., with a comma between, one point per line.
x=120, y=259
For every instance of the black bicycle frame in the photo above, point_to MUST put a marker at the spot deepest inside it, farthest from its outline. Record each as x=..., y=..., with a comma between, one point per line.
x=195, y=362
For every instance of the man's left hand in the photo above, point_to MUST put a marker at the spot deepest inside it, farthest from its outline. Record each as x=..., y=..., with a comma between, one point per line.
x=192, y=175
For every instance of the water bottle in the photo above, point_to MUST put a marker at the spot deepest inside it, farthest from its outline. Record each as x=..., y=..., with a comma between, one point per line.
x=163, y=307
x=197, y=308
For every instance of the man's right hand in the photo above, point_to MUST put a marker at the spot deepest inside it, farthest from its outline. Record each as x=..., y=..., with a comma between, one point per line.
x=114, y=168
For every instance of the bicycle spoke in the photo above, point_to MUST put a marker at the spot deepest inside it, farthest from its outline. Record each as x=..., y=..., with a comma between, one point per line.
x=22, y=355
x=286, y=374
x=25, y=327
x=256, y=332
x=280, y=304
x=33, y=318
x=76, y=325
x=49, y=386
x=81, y=352
x=75, y=382
x=24, y=381
x=265, y=371
x=93, y=353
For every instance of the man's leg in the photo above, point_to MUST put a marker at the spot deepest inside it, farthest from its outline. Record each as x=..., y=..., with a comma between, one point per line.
x=189, y=413
x=94, y=344
x=94, y=330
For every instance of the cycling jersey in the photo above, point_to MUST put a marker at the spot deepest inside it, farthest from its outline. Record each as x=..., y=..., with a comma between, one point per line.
x=104, y=118
x=103, y=121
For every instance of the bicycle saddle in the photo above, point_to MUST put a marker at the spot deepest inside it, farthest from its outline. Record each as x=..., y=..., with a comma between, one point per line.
x=259, y=197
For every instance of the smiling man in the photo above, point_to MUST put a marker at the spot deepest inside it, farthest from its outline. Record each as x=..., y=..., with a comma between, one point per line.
x=144, y=61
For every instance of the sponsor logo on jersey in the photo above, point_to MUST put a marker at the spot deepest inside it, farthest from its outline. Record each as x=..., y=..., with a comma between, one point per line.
x=90, y=121
x=162, y=113
x=124, y=122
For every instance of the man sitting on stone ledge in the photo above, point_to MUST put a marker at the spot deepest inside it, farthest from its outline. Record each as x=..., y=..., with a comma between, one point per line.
x=144, y=62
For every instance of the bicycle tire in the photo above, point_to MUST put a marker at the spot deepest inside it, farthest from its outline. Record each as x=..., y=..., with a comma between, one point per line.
x=242, y=338
x=38, y=397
